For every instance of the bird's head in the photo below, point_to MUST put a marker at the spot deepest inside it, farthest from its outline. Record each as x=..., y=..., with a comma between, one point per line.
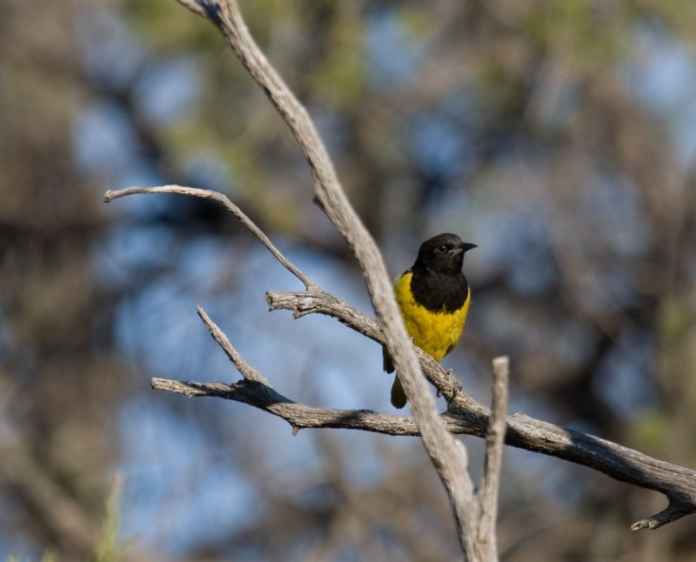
x=443, y=253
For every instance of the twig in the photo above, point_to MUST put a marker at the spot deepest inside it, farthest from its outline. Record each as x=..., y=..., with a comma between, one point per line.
x=490, y=481
x=220, y=199
x=246, y=370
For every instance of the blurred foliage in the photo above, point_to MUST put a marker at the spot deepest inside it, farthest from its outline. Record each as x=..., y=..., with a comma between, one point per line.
x=558, y=135
x=108, y=549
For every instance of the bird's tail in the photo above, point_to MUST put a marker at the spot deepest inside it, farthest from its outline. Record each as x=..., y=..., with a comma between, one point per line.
x=387, y=362
x=398, y=396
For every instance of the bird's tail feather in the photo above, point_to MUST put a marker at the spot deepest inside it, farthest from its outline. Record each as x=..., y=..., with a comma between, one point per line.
x=387, y=362
x=398, y=396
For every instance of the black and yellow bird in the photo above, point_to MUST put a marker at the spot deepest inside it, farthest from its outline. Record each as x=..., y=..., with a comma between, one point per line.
x=434, y=299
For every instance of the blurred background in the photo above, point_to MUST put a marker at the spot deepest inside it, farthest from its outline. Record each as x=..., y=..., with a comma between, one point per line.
x=558, y=135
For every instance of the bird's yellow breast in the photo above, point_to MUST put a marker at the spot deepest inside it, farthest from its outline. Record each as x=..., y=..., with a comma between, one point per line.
x=435, y=332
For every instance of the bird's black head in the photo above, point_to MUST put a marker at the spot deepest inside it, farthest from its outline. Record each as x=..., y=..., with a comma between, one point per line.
x=443, y=253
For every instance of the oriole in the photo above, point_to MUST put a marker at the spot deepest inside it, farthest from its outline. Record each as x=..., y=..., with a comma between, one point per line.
x=434, y=298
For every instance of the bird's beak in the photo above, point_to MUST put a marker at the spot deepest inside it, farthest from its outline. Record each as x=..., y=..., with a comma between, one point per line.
x=465, y=247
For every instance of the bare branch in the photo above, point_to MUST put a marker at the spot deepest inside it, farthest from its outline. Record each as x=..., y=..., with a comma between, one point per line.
x=299, y=416
x=447, y=456
x=246, y=370
x=624, y=464
x=223, y=200
x=464, y=414
x=619, y=462
x=490, y=481
x=303, y=303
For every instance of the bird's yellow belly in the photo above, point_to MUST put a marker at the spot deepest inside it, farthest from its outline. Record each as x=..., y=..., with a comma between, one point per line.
x=434, y=332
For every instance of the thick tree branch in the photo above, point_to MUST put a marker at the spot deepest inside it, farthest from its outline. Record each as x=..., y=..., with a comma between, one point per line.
x=299, y=416
x=624, y=464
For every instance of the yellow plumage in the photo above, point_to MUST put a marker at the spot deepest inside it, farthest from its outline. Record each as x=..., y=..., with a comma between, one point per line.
x=436, y=333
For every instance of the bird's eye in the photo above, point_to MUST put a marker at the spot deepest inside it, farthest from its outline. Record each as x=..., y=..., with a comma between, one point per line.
x=442, y=248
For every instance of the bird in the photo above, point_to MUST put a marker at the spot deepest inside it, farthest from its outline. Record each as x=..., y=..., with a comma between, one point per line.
x=433, y=297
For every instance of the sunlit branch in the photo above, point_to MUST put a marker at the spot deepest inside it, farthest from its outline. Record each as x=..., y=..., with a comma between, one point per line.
x=448, y=457
x=224, y=201
x=490, y=481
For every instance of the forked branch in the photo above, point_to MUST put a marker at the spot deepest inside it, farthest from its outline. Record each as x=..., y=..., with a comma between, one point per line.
x=447, y=455
x=464, y=415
